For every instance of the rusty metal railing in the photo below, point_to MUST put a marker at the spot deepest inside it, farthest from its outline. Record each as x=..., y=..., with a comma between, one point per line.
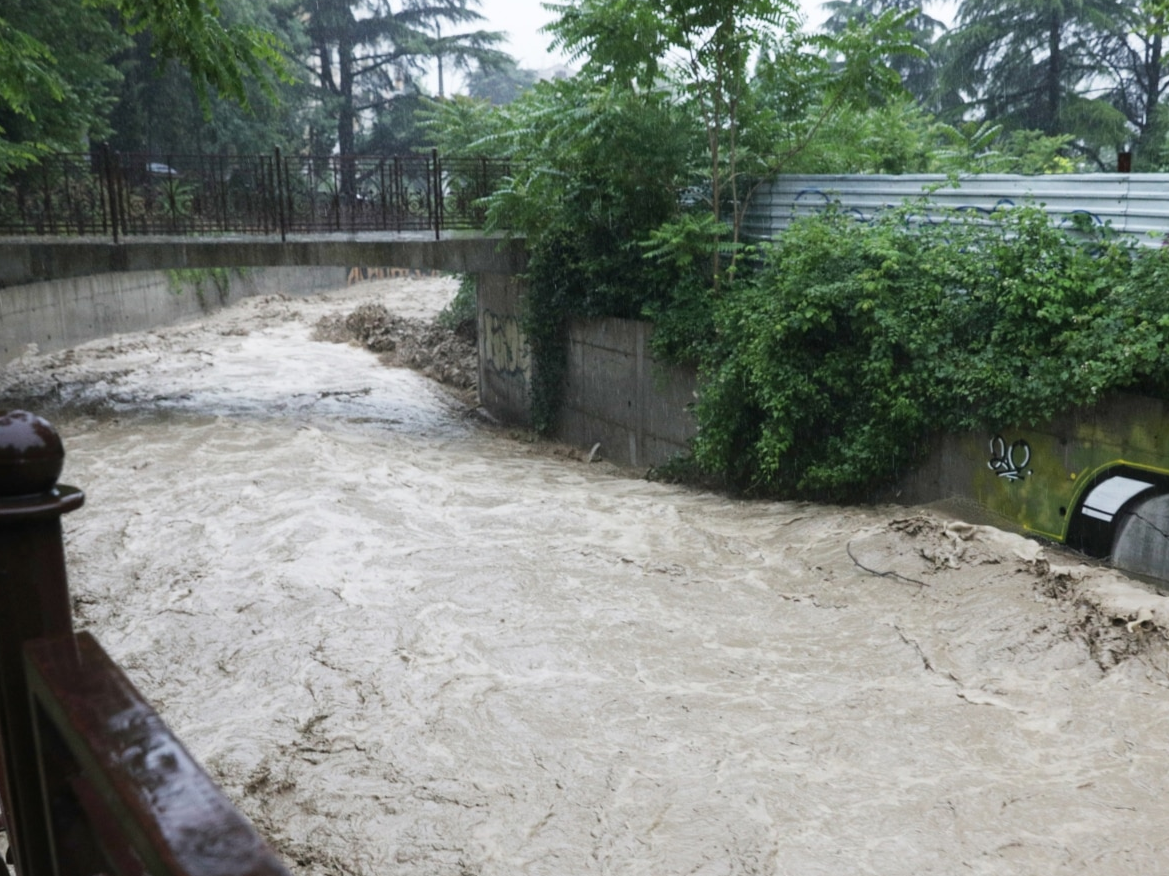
x=122, y=194
x=92, y=781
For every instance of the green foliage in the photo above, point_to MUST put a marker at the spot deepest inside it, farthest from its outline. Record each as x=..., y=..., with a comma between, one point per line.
x=705, y=50
x=463, y=308
x=25, y=67
x=219, y=57
x=1094, y=70
x=1034, y=152
x=631, y=180
x=397, y=129
x=855, y=341
x=464, y=127
x=896, y=137
x=364, y=56
x=197, y=279
x=61, y=69
x=159, y=109
x=55, y=82
x=918, y=71
x=598, y=168
x=501, y=85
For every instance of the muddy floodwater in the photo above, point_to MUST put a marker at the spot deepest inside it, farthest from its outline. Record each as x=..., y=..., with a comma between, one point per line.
x=408, y=643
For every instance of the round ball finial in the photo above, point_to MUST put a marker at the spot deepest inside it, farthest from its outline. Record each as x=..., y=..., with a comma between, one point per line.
x=31, y=454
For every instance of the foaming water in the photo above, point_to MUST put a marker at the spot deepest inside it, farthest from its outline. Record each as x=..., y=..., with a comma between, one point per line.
x=405, y=644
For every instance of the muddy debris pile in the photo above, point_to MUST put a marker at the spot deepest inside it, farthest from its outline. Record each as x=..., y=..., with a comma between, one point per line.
x=1114, y=618
x=450, y=357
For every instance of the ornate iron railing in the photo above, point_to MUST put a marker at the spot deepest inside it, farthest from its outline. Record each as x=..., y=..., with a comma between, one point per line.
x=122, y=194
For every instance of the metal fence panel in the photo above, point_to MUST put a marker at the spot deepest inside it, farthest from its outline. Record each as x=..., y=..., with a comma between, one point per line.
x=109, y=193
x=1135, y=204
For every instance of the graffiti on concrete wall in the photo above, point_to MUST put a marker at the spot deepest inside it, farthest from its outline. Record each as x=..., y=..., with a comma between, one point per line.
x=504, y=348
x=361, y=275
x=1009, y=461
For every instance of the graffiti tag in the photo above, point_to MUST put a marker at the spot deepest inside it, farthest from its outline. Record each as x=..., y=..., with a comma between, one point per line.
x=504, y=346
x=1009, y=462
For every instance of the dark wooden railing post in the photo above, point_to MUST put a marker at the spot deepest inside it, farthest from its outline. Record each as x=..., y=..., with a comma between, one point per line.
x=34, y=603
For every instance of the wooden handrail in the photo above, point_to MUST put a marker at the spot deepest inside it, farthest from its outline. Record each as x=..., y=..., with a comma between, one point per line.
x=161, y=813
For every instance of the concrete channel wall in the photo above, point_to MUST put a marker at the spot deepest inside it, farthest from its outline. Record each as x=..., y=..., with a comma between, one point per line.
x=505, y=364
x=1095, y=478
x=615, y=395
x=618, y=396
x=59, y=314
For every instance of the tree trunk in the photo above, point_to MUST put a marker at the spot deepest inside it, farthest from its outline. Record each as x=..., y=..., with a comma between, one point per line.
x=1054, y=74
x=346, y=116
x=1151, y=130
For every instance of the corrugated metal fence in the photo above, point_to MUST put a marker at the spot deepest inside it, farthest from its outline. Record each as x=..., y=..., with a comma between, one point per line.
x=1136, y=204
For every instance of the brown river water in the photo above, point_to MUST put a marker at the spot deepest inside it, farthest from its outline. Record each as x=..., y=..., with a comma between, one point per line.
x=408, y=643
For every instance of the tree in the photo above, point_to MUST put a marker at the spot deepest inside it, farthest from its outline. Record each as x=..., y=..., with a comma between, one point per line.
x=501, y=85
x=598, y=168
x=631, y=178
x=159, y=109
x=1029, y=64
x=1132, y=56
x=704, y=50
x=363, y=53
x=918, y=72
x=56, y=81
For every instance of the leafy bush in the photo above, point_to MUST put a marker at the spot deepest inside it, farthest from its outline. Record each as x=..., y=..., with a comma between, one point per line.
x=853, y=342
x=463, y=308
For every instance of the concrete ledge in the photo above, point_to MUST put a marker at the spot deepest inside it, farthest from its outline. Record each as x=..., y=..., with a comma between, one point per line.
x=34, y=260
x=63, y=313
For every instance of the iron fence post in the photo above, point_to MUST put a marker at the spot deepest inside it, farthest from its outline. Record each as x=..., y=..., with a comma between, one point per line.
x=437, y=195
x=48, y=198
x=267, y=194
x=172, y=201
x=398, y=198
x=35, y=596
x=121, y=224
x=103, y=188
x=381, y=170
x=280, y=197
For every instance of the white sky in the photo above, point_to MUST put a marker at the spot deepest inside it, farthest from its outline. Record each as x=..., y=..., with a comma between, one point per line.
x=522, y=20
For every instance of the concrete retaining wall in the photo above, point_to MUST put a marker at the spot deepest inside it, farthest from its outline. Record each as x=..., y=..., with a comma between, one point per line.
x=1095, y=478
x=45, y=259
x=505, y=364
x=63, y=313
x=618, y=396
